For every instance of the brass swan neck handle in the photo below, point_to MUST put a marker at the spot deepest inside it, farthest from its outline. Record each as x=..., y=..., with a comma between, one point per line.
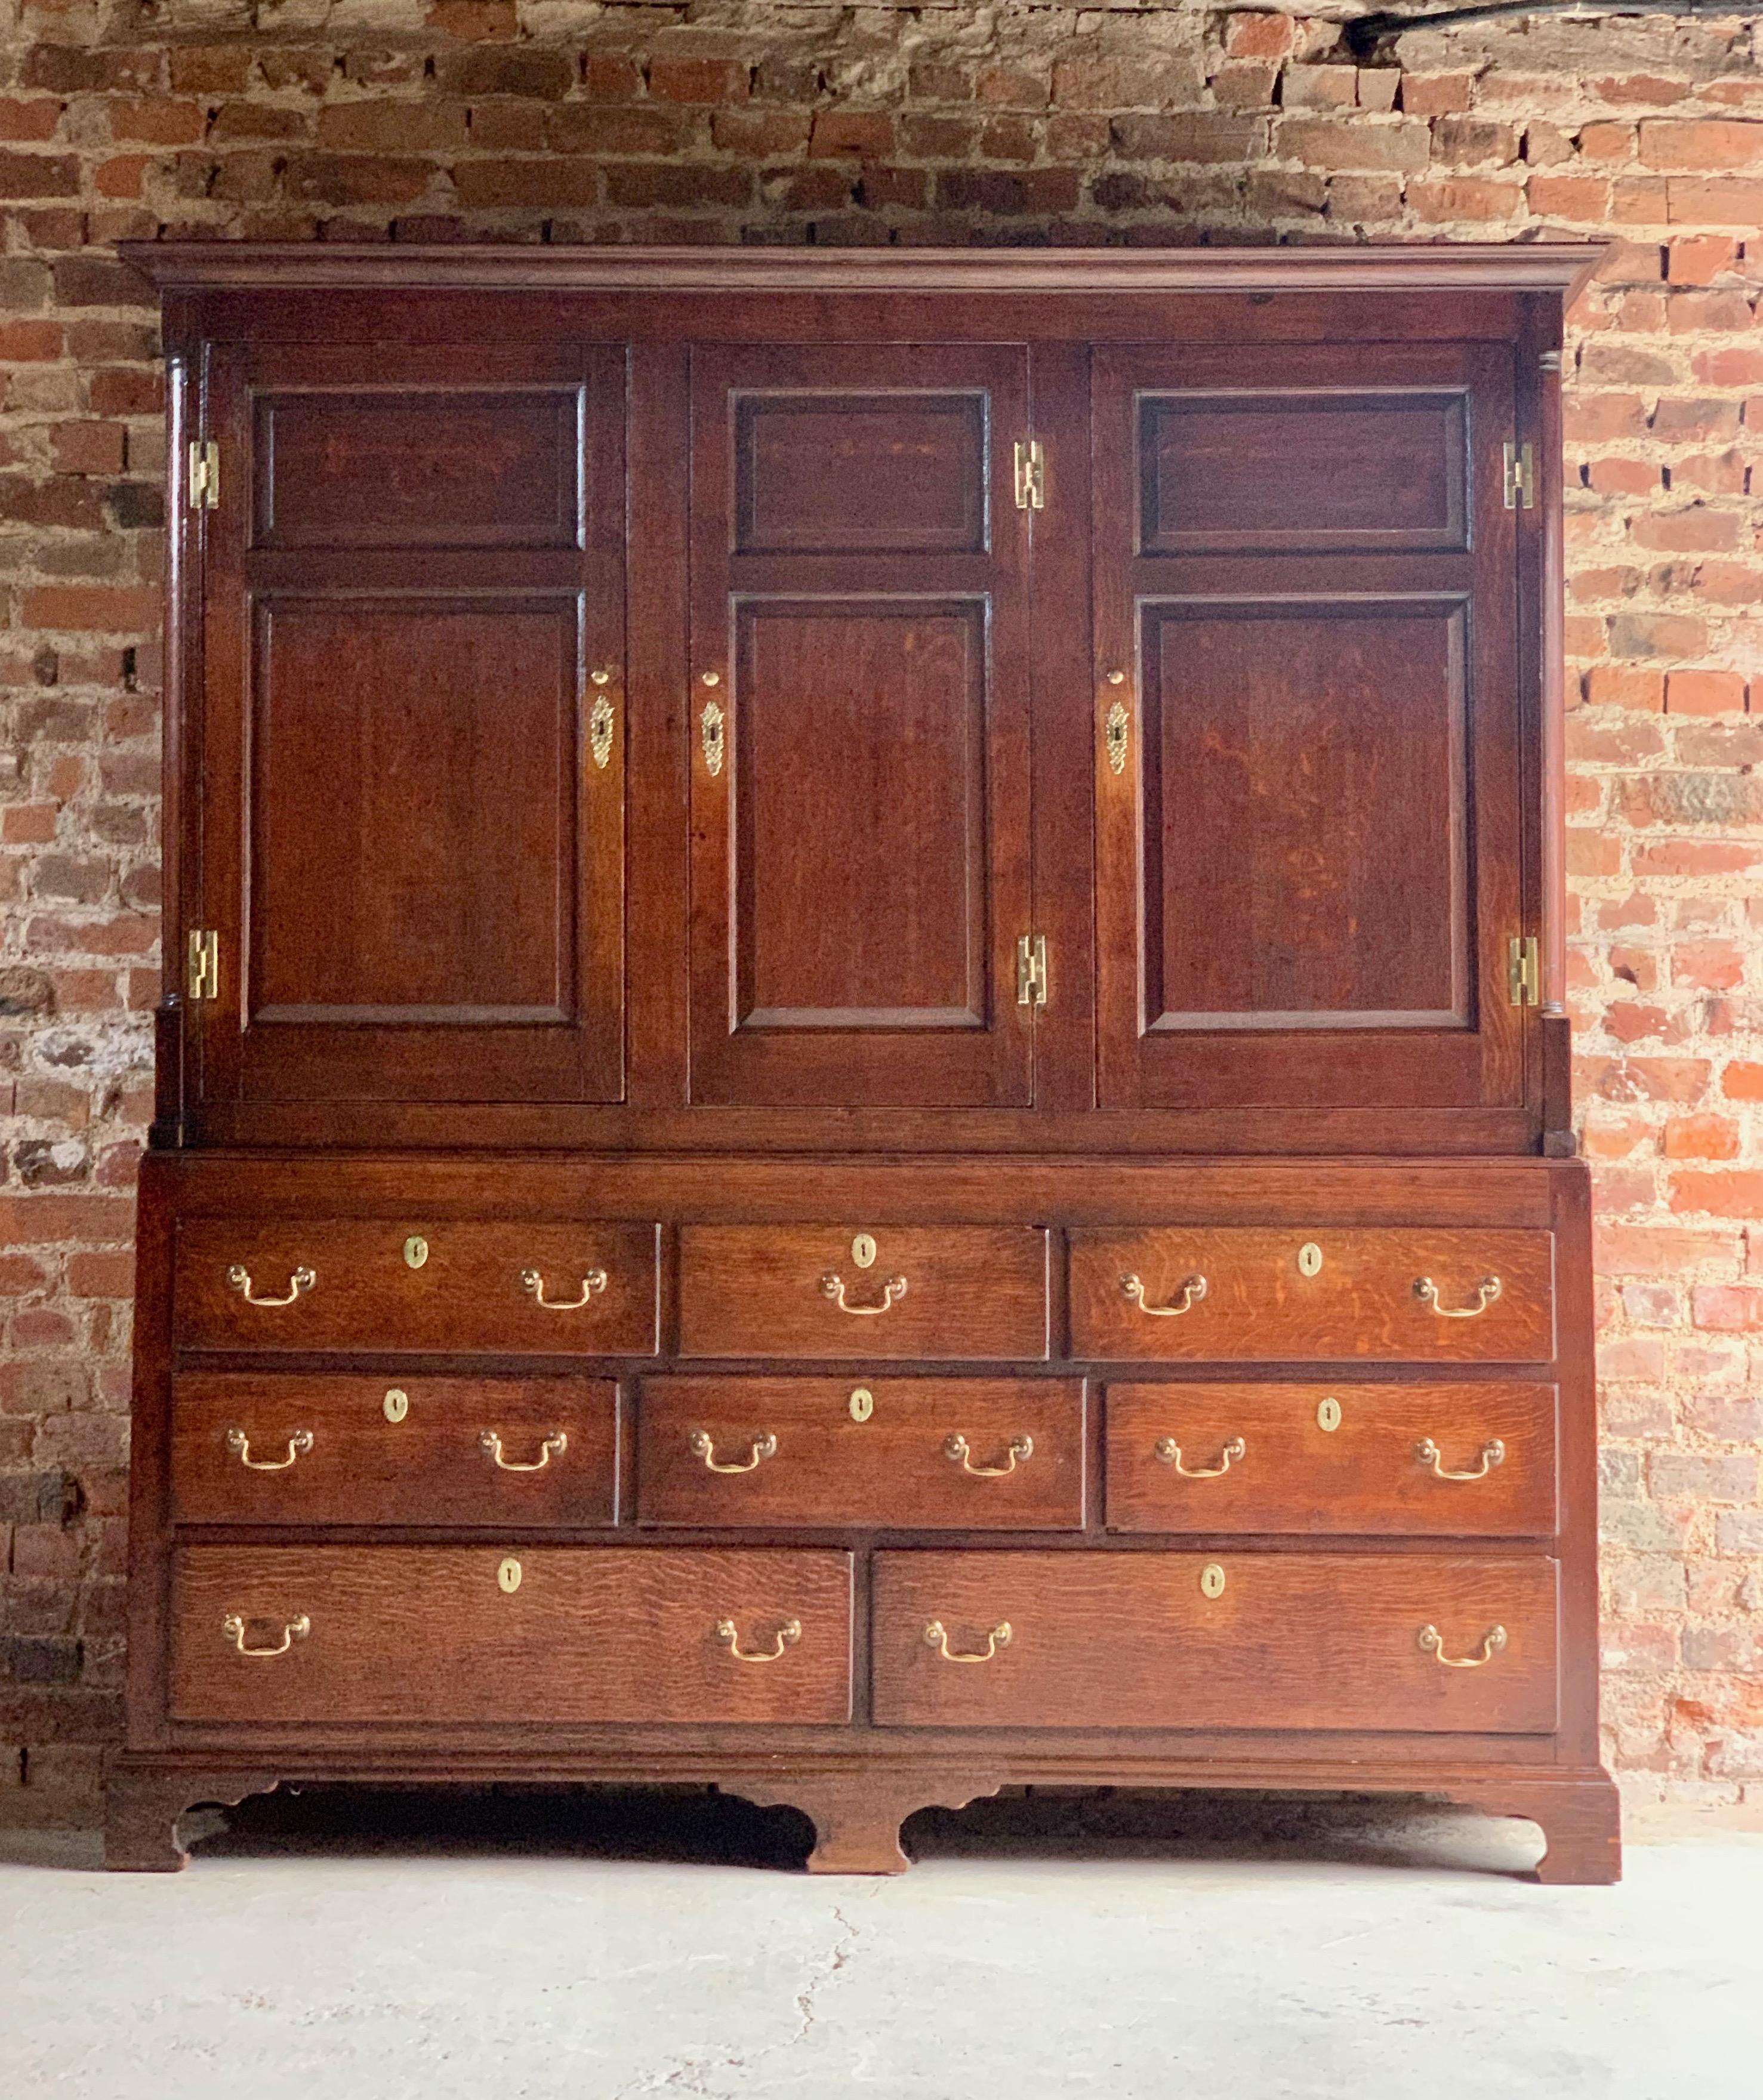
x=936, y=1636
x=703, y=1445
x=832, y=1286
x=298, y=1284
x=729, y=1635
x=956, y=1450
x=1170, y=1452
x=554, y=1445
x=240, y=1445
x=1193, y=1289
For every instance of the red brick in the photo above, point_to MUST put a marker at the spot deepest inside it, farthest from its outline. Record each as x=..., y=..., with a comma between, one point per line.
x=698, y=80
x=109, y=611
x=1704, y=692
x=1700, y=1137
x=1728, y=1193
x=1743, y=1081
x=1708, y=142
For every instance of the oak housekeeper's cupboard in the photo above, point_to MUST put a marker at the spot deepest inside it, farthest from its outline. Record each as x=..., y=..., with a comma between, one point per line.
x=866, y=1095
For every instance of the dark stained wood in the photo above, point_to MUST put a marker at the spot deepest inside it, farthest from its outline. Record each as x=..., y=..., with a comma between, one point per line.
x=971, y=1292
x=889, y=1465
x=428, y=1634
x=1256, y=1301
x=864, y=651
x=1282, y=1470
x=703, y=1028
x=425, y=1463
x=468, y=1293
x=1293, y=1641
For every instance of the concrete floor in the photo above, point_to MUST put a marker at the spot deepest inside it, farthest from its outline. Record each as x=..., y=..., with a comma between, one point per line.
x=334, y=1948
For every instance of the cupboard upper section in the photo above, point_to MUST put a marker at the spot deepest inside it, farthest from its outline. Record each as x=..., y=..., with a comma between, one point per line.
x=722, y=701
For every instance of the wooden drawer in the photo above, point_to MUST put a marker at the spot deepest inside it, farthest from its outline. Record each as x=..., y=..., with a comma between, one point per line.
x=1459, y=1460
x=1292, y=1640
x=884, y=1293
x=335, y=1283
x=939, y=1454
x=277, y=1448
x=1451, y=1294
x=397, y=1633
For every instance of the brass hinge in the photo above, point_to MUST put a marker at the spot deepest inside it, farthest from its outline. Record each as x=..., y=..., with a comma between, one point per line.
x=1032, y=969
x=1521, y=476
x=204, y=976
x=205, y=475
x=1524, y=980
x=1030, y=475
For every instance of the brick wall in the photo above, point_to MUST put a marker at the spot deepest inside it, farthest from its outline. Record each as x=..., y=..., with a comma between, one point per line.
x=557, y=120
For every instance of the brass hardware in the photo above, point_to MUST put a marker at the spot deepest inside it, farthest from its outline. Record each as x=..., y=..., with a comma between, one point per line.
x=508, y=1577
x=1211, y=1580
x=396, y=1404
x=1486, y=1292
x=533, y=1283
x=861, y=1403
x=863, y=1250
x=1310, y=1259
x=1328, y=1413
x=415, y=1251
x=936, y=1637
x=1114, y=736
x=710, y=729
x=1524, y=984
x=600, y=719
x=205, y=475
x=1432, y=1643
x=788, y=1635
x=710, y=678
x=1117, y=678
x=203, y=974
x=703, y=1447
x=955, y=1448
x=1520, y=465
x=240, y=1445
x=298, y=1284
x=1193, y=1290
x=599, y=677
x=1031, y=969
x=555, y=1445
x=1031, y=474
x=1170, y=1452
x=233, y=1625
x=832, y=1286
x=1427, y=1453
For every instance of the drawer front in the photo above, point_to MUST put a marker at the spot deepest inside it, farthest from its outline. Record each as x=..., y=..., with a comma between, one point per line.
x=1291, y=1640
x=332, y=1283
x=277, y=1448
x=935, y=1453
x=394, y=1633
x=1449, y=1294
x=1457, y=1460
x=882, y=1293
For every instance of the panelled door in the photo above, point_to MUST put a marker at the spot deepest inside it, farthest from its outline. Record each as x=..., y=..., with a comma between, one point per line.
x=860, y=725
x=414, y=725
x=1308, y=800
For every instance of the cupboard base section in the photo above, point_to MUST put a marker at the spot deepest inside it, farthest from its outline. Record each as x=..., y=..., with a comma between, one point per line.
x=857, y=1806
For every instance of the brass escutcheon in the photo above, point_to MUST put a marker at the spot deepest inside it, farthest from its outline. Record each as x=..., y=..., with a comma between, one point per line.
x=863, y=1250
x=861, y=1403
x=508, y=1577
x=415, y=1251
x=1328, y=1413
x=1310, y=1259
x=1211, y=1580
x=396, y=1404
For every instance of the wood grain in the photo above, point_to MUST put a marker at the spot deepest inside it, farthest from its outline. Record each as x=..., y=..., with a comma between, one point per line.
x=1295, y=1641
x=428, y=1633
x=891, y=1470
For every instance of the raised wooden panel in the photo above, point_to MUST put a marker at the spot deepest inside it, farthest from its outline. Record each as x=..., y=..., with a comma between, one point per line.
x=934, y=1292
x=414, y=812
x=902, y=1453
x=1422, y=1294
x=436, y=1633
x=1462, y=1461
x=860, y=789
x=855, y=473
x=1290, y=1640
x=415, y=466
x=1305, y=782
x=1302, y=471
x=282, y=1448
x=861, y=750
